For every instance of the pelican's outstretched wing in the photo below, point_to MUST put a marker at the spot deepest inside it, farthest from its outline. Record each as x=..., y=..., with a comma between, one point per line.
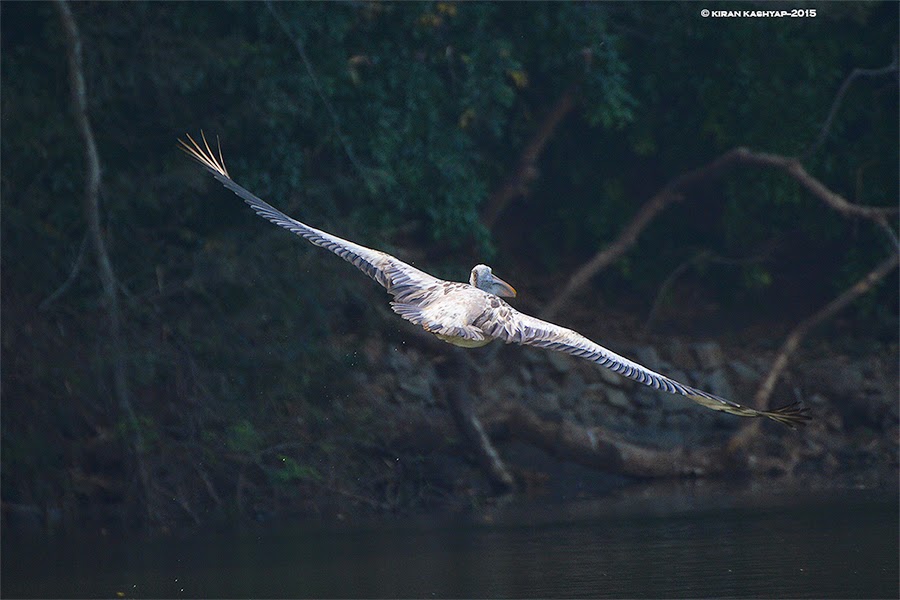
x=510, y=325
x=406, y=283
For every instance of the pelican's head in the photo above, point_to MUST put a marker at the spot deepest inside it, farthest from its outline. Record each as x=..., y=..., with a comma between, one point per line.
x=485, y=280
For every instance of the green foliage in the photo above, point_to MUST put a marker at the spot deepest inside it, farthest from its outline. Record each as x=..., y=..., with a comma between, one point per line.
x=244, y=439
x=291, y=471
x=405, y=119
x=702, y=87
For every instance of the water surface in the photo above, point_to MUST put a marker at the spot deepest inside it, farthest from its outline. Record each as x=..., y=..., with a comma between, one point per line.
x=844, y=548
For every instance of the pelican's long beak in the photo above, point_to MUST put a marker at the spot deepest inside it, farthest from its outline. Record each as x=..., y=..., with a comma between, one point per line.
x=501, y=288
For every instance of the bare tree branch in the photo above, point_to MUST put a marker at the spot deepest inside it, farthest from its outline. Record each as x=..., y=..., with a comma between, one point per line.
x=795, y=338
x=597, y=448
x=95, y=231
x=671, y=193
x=674, y=190
x=839, y=98
x=593, y=447
x=312, y=75
x=891, y=235
x=795, y=169
x=517, y=183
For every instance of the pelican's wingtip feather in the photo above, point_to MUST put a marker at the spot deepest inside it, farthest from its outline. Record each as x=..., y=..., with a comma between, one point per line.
x=792, y=415
x=204, y=154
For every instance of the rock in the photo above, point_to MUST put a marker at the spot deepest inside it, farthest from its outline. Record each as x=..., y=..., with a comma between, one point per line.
x=359, y=378
x=525, y=374
x=417, y=386
x=489, y=395
x=743, y=371
x=817, y=400
x=723, y=420
x=611, y=378
x=509, y=386
x=559, y=361
x=863, y=395
x=647, y=356
x=646, y=398
x=619, y=422
x=591, y=408
x=709, y=355
x=398, y=361
x=591, y=395
x=543, y=381
x=650, y=418
x=679, y=421
x=717, y=383
x=834, y=421
x=673, y=403
x=548, y=402
x=836, y=377
x=679, y=376
x=618, y=398
x=534, y=356
x=413, y=355
x=385, y=381
x=680, y=355
x=573, y=388
x=373, y=351
x=670, y=403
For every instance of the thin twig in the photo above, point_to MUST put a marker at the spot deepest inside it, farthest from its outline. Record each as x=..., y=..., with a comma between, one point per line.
x=698, y=258
x=357, y=497
x=210, y=488
x=185, y=505
x=839, y=98
x=76, y=268
x=321, y=92
x=676, y=273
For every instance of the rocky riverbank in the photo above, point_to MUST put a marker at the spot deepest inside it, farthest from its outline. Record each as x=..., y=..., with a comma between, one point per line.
x=853, y=403
x=563, y=428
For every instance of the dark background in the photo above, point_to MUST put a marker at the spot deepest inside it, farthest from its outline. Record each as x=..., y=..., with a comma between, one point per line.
x=392, y=125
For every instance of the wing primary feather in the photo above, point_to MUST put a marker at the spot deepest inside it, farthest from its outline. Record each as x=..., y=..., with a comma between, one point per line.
x=531, y=331
x=383, y=268
x=410, y=287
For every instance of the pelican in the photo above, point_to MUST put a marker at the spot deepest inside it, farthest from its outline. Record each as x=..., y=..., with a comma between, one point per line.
x=472, y=314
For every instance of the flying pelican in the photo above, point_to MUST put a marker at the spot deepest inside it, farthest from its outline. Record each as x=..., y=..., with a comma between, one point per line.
x=472, y=314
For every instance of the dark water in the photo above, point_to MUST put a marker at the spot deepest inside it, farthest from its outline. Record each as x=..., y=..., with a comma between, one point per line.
x=842, y=548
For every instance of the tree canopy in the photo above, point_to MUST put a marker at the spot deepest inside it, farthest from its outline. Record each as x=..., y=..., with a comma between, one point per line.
x=392, y=124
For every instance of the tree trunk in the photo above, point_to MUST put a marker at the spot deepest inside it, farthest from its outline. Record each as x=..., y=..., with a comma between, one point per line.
x=459, y=378
x=95, y=232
